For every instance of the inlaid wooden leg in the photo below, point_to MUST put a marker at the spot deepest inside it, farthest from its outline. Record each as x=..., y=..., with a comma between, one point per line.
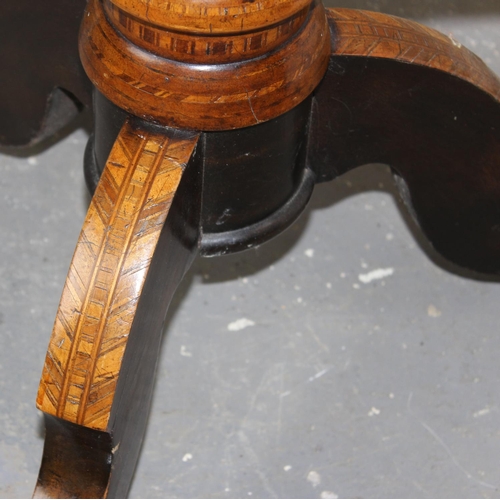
x=138, y=239
x=400, y=93
x=394, y=92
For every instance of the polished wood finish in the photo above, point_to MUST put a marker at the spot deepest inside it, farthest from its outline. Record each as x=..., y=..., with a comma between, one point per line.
x=203, y=48
x=264, y=165
x=107, y=274
x=431, y=111
x=216, y=16
x=374, y=35
x=394, y=92
x=204, y=96
x=138, y=240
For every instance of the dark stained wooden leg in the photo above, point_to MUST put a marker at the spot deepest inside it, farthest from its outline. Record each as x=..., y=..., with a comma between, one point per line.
x=403, y=94
x=139, y=238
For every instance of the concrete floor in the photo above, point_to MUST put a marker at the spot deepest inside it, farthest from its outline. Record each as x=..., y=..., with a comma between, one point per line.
x=337, y=389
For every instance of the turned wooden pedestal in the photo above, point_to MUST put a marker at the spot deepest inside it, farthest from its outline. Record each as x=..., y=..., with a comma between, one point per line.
x=212, y=125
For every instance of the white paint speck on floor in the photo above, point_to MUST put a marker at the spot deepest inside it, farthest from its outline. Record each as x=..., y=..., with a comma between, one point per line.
x=240, y=324
x=376, y=274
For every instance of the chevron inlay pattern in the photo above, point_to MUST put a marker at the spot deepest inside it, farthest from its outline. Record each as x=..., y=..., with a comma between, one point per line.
x=108, y=271
x=371, y=34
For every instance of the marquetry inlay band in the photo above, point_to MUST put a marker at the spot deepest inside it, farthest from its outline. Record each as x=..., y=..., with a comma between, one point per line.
x=213, y=16
x=108, y=271
x=206, y=96
x=204, y=48
x=371, y=34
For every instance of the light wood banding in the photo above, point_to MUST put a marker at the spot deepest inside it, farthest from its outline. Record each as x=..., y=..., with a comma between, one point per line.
x=215, y=16
x=400, y=93
x=107, y=273
x=203, y=48
x=372, y=34
x=204, y=97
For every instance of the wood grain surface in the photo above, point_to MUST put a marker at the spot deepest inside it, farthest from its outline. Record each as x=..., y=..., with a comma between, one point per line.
x=395, y=92
x=204, y=96
x=108, y=270
x=375, y=35
x=402, y=94
x=204, y=47
x=216, y=16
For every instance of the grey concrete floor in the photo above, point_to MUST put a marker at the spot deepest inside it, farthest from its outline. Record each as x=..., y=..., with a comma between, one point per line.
x=335, y=388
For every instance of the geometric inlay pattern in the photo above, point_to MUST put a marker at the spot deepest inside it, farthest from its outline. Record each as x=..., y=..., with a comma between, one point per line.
x=107, y=273
x=371, y=34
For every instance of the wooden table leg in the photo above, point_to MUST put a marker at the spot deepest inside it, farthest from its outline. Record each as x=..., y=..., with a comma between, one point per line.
x=394, y=92
x=399, y=93
x=138, y=239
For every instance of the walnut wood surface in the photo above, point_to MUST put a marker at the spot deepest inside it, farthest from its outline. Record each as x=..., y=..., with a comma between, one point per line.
x=402, y=94
x=108, y=270
x=371, y=34
x=203, y=48
x=216, y=16
x=204, y=96
x=136, y=214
